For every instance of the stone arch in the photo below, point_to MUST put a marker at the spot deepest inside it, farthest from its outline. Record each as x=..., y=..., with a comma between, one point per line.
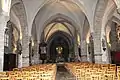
x=85, y=41
x=108, y=13
x=67, y=37
x=86, y=26
x=64, y=35
x=78, y=4
x=105, y=34
x=20, y=12
x=16, y=28
x=12, y=38
x=99, y=13
x=15, y=40
x=107, y=16
x=54, y=25
x=54, y=17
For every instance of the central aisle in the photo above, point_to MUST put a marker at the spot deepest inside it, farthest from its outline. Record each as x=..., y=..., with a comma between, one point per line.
x=63, y=73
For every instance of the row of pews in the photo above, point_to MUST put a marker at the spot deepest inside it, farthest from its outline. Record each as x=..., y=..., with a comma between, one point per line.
x=90, y=71
x=36, y=72
x=81, y=70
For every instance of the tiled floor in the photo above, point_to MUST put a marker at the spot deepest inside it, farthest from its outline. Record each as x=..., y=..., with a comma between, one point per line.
x=63, y=74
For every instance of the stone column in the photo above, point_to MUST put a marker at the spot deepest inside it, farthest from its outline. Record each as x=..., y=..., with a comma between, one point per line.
x=89, y=56
x=84, y=50
x=97, y=48
x=19, y=54
x=105, y=53
x=30, y=52
x=21, y=14
x=36, y=54
x=113, y=37
x=91, y=49
x=25, y=50
x=77, y=57
x=19, y=61
x=3, y=23
x=100, y=9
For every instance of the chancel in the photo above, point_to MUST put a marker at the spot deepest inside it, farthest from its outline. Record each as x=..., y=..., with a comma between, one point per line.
x=59, y=39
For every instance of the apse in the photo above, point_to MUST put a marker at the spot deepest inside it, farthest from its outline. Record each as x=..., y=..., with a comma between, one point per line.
x=58, y=47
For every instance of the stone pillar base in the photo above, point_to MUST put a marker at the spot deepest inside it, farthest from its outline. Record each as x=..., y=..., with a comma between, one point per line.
x=25, y=61
x=35, y=59
x=89, y=58
x=1, y=63
x=83, y=51
x=84, y=58
x=98, y=58
x=19, y=61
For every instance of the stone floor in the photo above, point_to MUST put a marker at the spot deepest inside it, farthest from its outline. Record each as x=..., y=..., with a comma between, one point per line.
x=63, y=73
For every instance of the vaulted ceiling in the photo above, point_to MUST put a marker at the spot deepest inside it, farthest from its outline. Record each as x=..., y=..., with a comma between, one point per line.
x=77, y=15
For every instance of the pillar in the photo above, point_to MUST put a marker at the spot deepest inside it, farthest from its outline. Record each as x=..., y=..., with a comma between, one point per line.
x=3, y=23
x=100, y=9
x=4, y=16
x=97, y=48
x=36, y=54
x=19, y=54
x=25, y=50
x=19, y=60
x=91, y=49
x=77, y=57
x=105, y=53
x=89, y=58
x=113, y=37
x=83, y=50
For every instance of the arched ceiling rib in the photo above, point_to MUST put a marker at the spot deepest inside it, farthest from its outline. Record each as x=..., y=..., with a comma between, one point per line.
x=43, y=3
x=108, y=15
x=46, y=12
x=61, y=34
x=52, y=18
x=54, y=28
x=14, y=19
x=85, y=29
x=86, y=6
x=33, y=32
x=75, y=9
